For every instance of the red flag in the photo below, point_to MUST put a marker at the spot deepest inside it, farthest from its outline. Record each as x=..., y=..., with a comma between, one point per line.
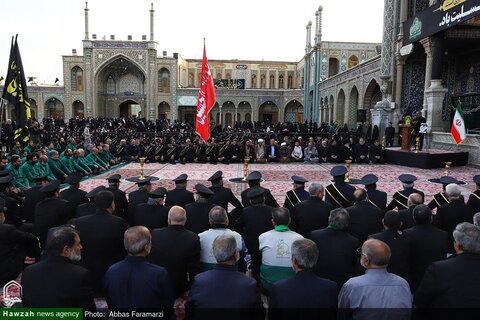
x=206, y=100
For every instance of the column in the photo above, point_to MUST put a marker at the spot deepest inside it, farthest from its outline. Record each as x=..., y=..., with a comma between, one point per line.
x=400, y=61
x=87, y=37
x=427, y=45
x=220, y=118
x=152, y=12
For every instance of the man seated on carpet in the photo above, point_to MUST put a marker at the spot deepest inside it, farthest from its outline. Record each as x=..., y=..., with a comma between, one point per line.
x=78, y=165
x=94, y=159
x=56, y=167
x=297, y=153
x=361, y=152
x=376, y=153
x=310, y=153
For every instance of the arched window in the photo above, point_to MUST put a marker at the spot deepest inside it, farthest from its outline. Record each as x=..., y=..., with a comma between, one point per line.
x=254, y=81
x=77, y=79
x=272, y=81
x=110, y=85
x=191, y=83
x=280, y=82
x=164, y=81
x=263, y=82
x=290, y=82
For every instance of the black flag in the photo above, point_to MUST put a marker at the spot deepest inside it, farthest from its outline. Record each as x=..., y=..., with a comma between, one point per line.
x=15, y=91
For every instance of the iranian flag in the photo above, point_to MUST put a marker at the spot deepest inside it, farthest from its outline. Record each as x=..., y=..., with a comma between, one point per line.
x=458, y=126
x=206, y=99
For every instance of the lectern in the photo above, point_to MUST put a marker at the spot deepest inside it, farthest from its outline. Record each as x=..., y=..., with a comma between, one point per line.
x=405, y=132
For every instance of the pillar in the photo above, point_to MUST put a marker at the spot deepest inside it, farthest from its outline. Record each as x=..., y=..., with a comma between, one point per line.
x=427, y=45
x=87, y=37
x=152, y=12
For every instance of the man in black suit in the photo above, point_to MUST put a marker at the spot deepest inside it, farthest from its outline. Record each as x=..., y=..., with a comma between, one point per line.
x=406, y=215
x=253, y=179
x=177, y=250
x=400, y=198
x=255, y=220
x=102, y=238
x=222, y=196
x=339, y=194
x=454, y=283
x=429, y=243
x=13, y=214
x=248, y=152
x=365, y=219
x=337, y=259
x=311, y=214
x=361, y=152
x=297, y=194
x=179, y=196
x=74, y=195
x=197, y=212
x=304, y=292
x=56, y=281
x=152, y=214
x=440, y=198
x=88, y=208
x=33, y=196
x=50, y=212
x=474, y=199
x=15, y=245
x=389, y=135
x=121, y=203
x=138, y=196
x=399, y=245
x=377, y=198
x=272, y=151
x=453, y=213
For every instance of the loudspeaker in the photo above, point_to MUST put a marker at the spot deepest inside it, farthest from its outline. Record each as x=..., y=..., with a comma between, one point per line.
x=362, y=115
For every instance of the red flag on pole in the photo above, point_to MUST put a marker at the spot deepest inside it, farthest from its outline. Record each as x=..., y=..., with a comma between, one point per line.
x=206, y=100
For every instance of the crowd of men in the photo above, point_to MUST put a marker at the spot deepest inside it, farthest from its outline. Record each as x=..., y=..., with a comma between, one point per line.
x=102, y=142
x=332, y=247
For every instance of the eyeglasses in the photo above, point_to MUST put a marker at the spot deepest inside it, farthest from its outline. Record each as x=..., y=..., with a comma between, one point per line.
x=359, y=252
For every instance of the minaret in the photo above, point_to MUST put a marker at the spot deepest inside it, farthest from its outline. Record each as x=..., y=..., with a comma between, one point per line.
x=318, y=30
x=308, y=45
x=87, y=37
x=152, y=12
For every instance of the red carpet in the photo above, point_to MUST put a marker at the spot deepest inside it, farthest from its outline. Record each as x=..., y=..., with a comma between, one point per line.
x=277, y=176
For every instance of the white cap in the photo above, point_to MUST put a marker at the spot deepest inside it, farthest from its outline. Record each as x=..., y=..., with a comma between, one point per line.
x=283, y=144
x=260, y=140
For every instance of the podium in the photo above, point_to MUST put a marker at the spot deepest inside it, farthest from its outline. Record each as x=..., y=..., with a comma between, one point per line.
x=405, y=131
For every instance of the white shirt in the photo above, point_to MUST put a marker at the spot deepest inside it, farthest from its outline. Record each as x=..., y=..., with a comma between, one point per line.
x=206, y=242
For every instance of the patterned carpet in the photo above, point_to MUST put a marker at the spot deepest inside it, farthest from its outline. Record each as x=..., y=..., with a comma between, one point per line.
x=277, y=176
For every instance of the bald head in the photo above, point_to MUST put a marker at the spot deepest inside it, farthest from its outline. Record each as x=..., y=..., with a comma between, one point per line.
x=177, y=216
x=415, y=199
x=375, y=254
x=360, y=195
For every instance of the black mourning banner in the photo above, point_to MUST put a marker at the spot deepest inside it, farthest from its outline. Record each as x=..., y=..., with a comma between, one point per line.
x=15, y=91
x=229, y=83
x=440, y=16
